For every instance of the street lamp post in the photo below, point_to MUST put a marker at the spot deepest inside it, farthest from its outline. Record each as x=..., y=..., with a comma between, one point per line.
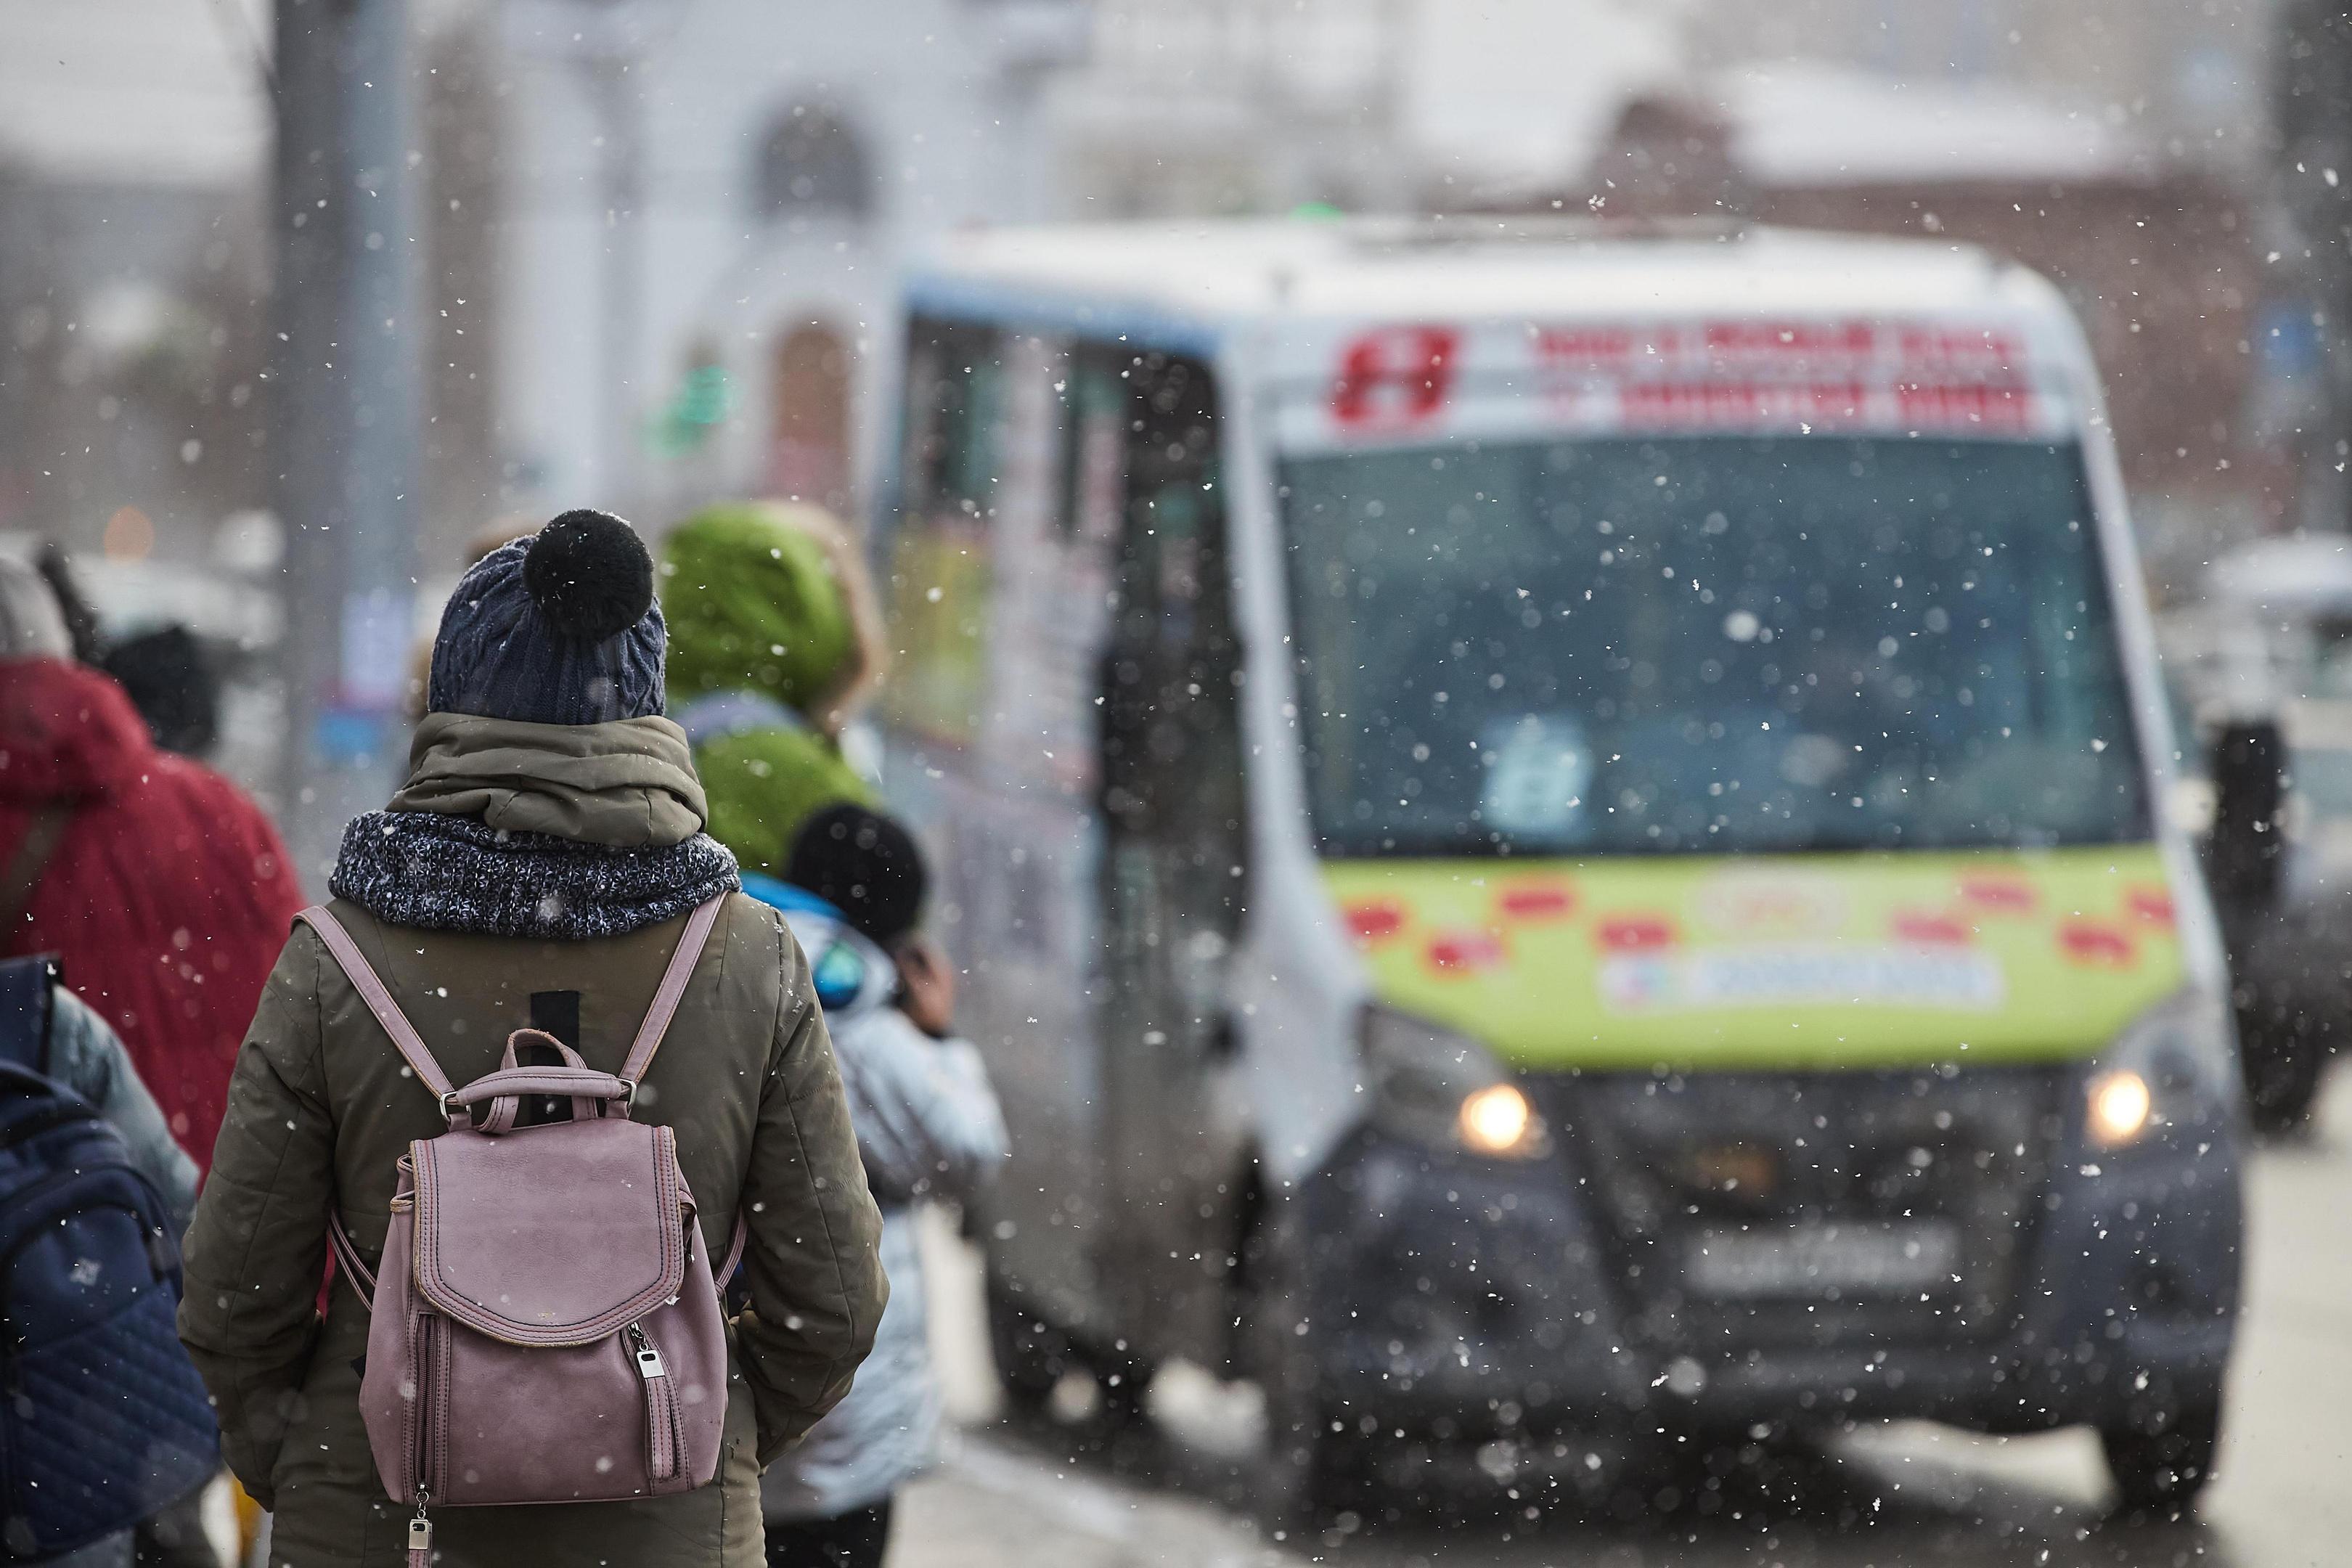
x=343, y=405
x=622, y=184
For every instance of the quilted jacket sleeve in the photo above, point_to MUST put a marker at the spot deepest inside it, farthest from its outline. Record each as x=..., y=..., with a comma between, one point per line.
x=813, y=1255
x=88, y=1056
x=257, y=1250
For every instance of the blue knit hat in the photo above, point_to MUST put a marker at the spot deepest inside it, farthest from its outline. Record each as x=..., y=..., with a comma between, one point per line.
x=557, y=628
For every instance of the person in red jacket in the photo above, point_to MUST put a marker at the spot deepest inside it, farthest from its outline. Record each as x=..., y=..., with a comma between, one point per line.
x=159, y=883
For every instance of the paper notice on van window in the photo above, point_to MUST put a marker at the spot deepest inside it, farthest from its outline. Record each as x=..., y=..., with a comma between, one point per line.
x=1538, y=769
x=1862, y=975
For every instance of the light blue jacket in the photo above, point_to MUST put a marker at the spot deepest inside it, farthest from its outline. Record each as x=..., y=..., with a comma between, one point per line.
x=88, y=1056
x=929, y=1126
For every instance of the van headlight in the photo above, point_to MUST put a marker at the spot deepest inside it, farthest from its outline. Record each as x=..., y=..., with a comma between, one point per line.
x=2122, y=1106
x=1438, y=1088
x=2173, y=1066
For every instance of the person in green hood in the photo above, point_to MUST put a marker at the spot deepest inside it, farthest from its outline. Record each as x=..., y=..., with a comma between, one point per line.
x=774, y=638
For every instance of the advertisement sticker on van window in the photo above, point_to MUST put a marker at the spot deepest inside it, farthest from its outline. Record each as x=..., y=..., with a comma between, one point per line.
x=1765, y=375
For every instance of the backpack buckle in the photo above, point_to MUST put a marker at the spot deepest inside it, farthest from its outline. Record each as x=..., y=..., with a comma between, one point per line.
x=451, y=1111
x=628, y=1095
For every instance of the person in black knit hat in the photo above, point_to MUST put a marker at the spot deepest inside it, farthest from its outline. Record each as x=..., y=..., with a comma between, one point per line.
x=550, y=656
x=543, y=865
x=865, y=865
x=928, y=1129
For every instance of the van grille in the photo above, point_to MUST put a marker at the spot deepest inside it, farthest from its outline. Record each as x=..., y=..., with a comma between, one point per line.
x=1684, y=1170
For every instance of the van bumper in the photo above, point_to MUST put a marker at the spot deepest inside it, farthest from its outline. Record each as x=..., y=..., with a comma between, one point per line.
x=1478, y=1300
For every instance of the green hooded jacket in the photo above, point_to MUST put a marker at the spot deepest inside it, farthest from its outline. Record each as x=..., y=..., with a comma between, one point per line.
x=771, y=635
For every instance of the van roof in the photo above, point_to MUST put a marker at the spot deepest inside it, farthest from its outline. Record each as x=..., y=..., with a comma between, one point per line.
x=1209, y=272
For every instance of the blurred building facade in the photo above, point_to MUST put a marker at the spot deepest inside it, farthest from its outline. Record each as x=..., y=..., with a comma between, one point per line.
x=132, y=269
x=134, y=272
x=665, y=234
x=669, y=234
x=2123, y=147
x=1200, y=107
x=2188, y=75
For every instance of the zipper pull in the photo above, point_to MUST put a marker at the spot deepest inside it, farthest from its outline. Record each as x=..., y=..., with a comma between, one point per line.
x=420, y=1537
x=649, y=1361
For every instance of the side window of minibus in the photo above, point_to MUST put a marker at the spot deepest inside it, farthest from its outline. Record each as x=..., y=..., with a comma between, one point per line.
x=1170, y=746
x=940, y=575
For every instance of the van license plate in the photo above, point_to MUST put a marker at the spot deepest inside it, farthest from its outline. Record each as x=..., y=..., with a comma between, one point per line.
x=1861, y=1257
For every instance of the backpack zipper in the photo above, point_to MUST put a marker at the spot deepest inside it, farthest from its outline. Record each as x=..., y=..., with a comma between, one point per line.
x=661, y=1405
x=420, y=1532
x=421, y=1462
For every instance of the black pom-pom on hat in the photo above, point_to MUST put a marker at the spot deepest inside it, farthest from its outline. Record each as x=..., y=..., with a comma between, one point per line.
x=590, y=575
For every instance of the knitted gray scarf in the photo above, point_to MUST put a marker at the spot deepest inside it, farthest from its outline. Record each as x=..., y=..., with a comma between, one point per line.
x=454, y=873
x=514, y=830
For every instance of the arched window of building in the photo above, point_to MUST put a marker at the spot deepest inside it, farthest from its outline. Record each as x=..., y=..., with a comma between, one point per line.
x=812, y=164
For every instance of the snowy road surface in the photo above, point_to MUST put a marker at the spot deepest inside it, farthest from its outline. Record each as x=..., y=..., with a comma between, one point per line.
x=1912, y=1497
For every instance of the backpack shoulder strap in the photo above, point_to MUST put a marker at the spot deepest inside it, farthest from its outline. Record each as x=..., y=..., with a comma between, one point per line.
x=347, y=1258
x=673, y=987
x=379, y=999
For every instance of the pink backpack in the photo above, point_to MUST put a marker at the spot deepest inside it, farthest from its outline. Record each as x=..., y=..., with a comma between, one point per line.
x=545, y=1327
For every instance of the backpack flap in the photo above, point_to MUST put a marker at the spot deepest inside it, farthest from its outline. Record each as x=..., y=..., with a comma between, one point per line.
x=552, y=1235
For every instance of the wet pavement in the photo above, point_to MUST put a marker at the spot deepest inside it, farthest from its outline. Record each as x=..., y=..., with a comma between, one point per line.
x=1173, y=1489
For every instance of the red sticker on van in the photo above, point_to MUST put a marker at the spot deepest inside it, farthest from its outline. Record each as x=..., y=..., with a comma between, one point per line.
x=1375, y=920
x=1537, y=902
x=1395, y=378
x=1633, y=934
x=1998, y=895
x=2096, y=943
x=1930, y=928
x=1463, y=953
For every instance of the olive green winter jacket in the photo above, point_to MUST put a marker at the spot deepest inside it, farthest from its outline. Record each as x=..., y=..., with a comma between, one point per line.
x=321, y=1107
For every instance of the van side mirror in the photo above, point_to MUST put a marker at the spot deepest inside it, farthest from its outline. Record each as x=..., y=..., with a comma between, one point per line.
x=2245, y=854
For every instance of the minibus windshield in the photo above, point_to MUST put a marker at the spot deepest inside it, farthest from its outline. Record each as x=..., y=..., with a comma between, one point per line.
x=1707, y=645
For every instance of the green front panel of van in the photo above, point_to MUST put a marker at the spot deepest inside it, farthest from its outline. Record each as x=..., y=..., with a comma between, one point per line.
x=1688, y=963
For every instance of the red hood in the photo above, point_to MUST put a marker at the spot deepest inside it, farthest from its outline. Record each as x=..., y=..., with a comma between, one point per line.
x=66, y=729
